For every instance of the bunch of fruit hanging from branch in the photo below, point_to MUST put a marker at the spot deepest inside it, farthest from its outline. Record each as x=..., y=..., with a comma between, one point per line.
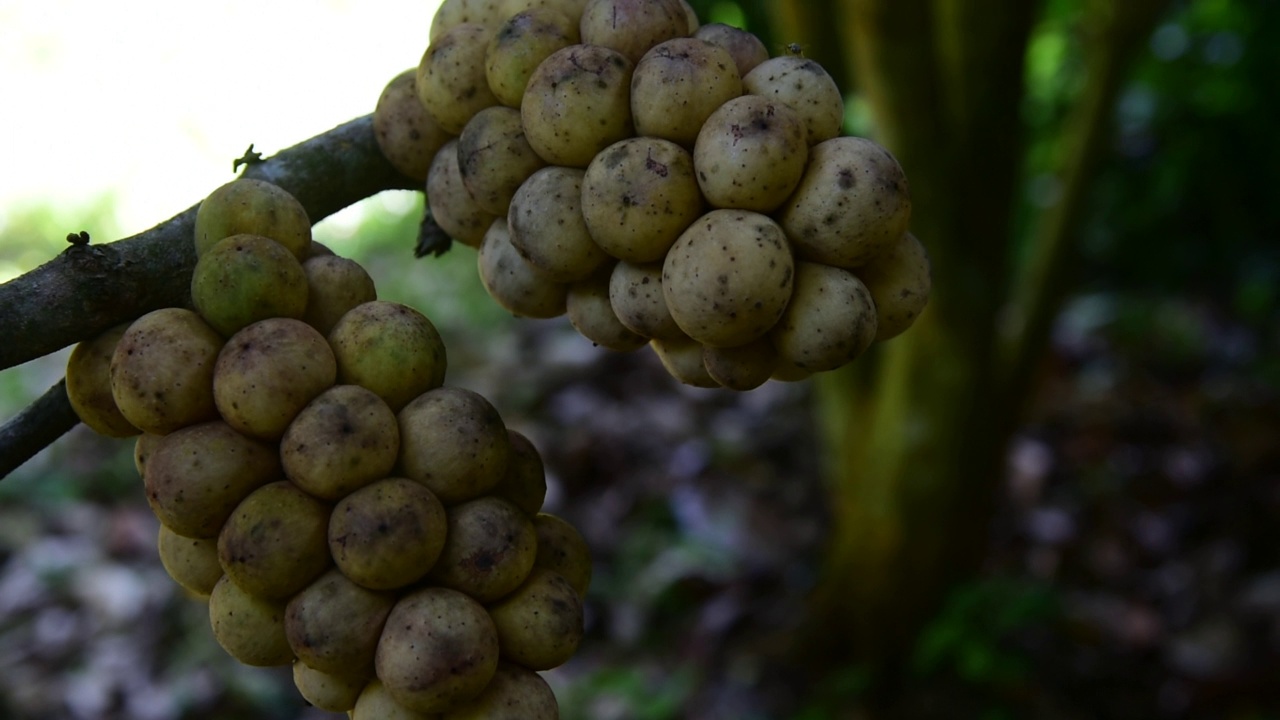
x=344, y=510
x=661, y=182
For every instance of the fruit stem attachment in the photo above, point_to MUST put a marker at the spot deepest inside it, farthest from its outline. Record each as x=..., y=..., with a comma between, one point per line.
x=432, y=239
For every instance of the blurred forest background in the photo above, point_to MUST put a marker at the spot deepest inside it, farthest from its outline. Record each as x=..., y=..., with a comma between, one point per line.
x=1079, y=522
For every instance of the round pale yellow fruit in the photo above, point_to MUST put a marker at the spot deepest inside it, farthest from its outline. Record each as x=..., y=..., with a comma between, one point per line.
x=450, y=76
x=275, y=541
x=806, y=87
x=268, y=372
x=405, y=132
x=521, y=42
x=453, y=441
x=562, y=549
x=547, y=228
x=346, y=438
x=335, y=285
x=488, y=550
x=387, y=534
x=197, y=476
x=577, y=102
x=249, y=628
x=327, y=691
x=525, y=482
x=899, y=280
x=728, y=278
x=852, y=203
x=631, y=27
x=451, y=204
x=162, y=371
x=89, y=385
x=744, y=47
x=750, y=154
x=191, y=562
x=676, y=86
x=515, y=693
x=254, y=207
x=495, y=158
x=539, y=625
x=638, y=195
x=439, y=649
x=744, y=367
x=831, y=319
x=593, y=317
x=246, y=278
x=333, y=625
x=681, y=357
x=515, y=283
x=376, y=703
x=635, y=293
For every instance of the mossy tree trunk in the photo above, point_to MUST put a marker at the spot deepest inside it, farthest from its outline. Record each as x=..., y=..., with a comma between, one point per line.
x=916, y=432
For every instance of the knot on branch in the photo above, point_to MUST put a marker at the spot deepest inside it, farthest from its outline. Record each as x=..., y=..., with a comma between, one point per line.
x=90, y=260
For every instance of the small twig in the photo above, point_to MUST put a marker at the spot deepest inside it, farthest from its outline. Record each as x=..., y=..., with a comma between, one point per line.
x=251, y=157
x=33, y=429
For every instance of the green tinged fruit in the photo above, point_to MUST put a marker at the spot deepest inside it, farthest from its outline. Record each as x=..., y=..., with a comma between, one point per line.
x=335, y=285
x=390, y=349
x=274, y=544
x=540, y=624
x=249, y=628
x=197, y=476
x=142, y=449
x=246, y=278
x=256, y=207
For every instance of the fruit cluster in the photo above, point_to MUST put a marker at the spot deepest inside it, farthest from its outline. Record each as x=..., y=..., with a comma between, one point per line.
x=339, y=506
x=659, y=181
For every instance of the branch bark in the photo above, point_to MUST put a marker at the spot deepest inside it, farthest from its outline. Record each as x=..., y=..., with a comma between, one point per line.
x=87, y=289
x=37, y=426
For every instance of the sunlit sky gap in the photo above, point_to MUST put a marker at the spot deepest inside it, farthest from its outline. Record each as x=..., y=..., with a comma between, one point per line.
x=150, y=101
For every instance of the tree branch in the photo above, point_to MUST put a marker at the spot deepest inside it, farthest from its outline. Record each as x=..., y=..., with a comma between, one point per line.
x=87, y=289
x=33, y=429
